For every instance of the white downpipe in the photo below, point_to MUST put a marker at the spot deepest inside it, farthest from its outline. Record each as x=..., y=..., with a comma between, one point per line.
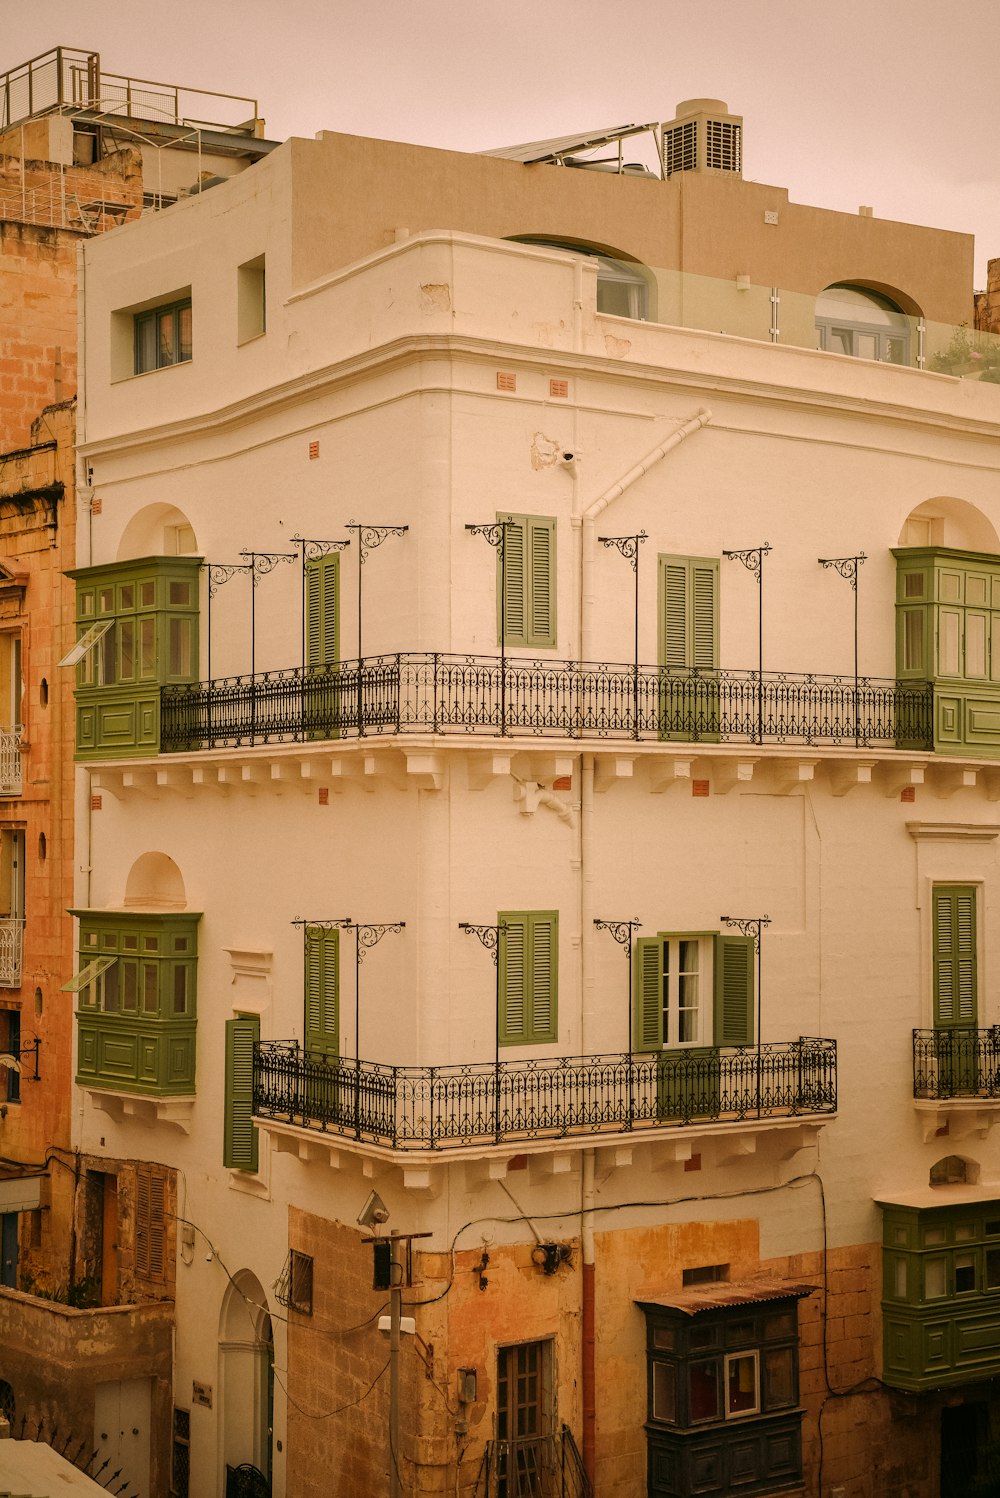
x=599, y=505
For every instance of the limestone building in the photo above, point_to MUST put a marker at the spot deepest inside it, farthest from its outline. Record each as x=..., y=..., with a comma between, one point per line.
x=537, y=734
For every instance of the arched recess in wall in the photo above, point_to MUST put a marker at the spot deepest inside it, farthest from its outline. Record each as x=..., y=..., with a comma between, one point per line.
x=158, y=530
x=246, y=1374
x=625, y=288
x=867, y=322
x=155, y=883
x=954, y=1170
x=947, y=521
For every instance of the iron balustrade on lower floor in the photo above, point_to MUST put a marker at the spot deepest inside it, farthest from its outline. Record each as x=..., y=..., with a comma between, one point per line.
x=10, y=761
x=470, y=694
x=456, y=1106
x=11, y=950
x=533, y=1467
x=961, y=1062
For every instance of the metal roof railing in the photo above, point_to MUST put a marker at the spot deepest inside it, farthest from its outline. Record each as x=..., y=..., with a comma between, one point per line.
x=71, y=78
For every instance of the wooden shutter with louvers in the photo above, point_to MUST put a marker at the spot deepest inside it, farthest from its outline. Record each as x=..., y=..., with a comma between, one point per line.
x=528, y=977
x=689, y=613
x=150, y=1221
x=647, y=1026
x=734, y=990
x=528, y=566
x=240, y=1135
x=322, y=995
x=955, y=982
x=322, y=610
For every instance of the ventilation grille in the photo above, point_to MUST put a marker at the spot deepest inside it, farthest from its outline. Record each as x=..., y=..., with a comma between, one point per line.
x=680, y=148
x=724, y=146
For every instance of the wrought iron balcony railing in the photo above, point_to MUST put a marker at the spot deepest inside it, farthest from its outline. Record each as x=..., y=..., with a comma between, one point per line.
x=10, y=761
x=956, y=1063
x=471, y=694
x=11, y=947
x=533, y=1467
x=456, y=1106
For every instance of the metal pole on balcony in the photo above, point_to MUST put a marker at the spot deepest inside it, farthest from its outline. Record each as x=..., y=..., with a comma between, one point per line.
x=368, y=934
x=261, y=563
x=218, y=573
x=489, y=937
x=629, y=548
x=621, y=932
x=752, y=926
x=370, y=537
x=312, y=551
x=752, y=558
x=495, y=533
x=848, y=567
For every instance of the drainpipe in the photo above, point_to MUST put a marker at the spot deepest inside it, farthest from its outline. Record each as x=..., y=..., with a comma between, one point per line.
x=588, y=1372
x=599, y=505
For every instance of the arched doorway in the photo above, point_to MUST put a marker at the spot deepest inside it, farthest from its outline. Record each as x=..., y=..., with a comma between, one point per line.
x=246, y=1378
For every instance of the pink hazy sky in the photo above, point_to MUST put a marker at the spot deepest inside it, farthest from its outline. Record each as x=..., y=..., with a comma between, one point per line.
x=892, y=103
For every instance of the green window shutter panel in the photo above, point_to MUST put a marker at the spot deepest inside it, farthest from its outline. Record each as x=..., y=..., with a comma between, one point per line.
x=675, y=593
x=528, y=977
x=240, y=1135
x=542, y=535
x=513, y=979
x=647, y=1030
x=705, y=614
x=544, y=958
x=734, y=965
x=322, y=990
x=528, y=565
x=955, y=980
x=322, y=610
x=689, y=613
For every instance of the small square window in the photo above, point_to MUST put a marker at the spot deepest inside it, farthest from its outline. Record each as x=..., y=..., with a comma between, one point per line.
x=163, y=336
x=965, y=1273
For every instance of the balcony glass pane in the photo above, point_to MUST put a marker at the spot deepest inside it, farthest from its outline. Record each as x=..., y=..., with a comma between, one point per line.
x=664, y=1392
x=703, y=1380
x=935, y=1279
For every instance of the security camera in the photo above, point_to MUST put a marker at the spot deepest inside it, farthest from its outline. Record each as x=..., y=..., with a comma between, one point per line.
x=373, y=1212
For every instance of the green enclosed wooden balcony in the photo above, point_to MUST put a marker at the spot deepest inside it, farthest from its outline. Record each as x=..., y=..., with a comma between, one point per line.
x=136, y=1020
x=941, y=1287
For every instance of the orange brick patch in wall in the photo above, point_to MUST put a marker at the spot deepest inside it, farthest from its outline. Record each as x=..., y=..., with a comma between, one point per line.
x=506, y=381
x=95, y=803
x=314, y=449
x=908, y=793
x=699, y=787
x=559, y=388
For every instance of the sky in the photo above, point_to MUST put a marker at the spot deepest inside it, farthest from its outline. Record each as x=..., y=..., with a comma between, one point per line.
x=892, y=103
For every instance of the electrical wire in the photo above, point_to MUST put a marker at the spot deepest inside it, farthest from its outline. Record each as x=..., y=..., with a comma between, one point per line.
x=329, y=1414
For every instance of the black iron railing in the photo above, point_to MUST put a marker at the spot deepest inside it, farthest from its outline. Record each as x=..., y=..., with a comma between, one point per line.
x=956, y=1063
x=451, y=1107
x=533, y=1467
x=469, y=694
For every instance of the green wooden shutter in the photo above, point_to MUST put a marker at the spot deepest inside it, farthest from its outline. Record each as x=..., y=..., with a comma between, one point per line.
x=674, y=609
x=704, y=623
x=734, y=967
x=240, y=1135
x=647, y=1027
x=528, y=977
x=322, y=990
x=513, y=979
x=529, y=568
x=322, y=610
x=544, y=931
x=511, y=568
x=955, y=984
x=689, y=613
x=541, y=537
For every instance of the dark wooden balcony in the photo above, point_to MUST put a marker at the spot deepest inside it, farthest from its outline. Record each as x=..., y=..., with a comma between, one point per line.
x=450, y=1107
x=533, y=1467
x=432, y=693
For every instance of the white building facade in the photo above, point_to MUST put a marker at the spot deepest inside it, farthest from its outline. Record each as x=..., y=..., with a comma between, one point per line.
x=540, y=765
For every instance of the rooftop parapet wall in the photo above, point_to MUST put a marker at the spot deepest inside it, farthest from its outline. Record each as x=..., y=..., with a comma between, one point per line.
x=708, y=225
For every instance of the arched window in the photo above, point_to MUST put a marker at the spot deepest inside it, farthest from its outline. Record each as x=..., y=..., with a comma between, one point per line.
x=622, y=289
x=853, y=320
